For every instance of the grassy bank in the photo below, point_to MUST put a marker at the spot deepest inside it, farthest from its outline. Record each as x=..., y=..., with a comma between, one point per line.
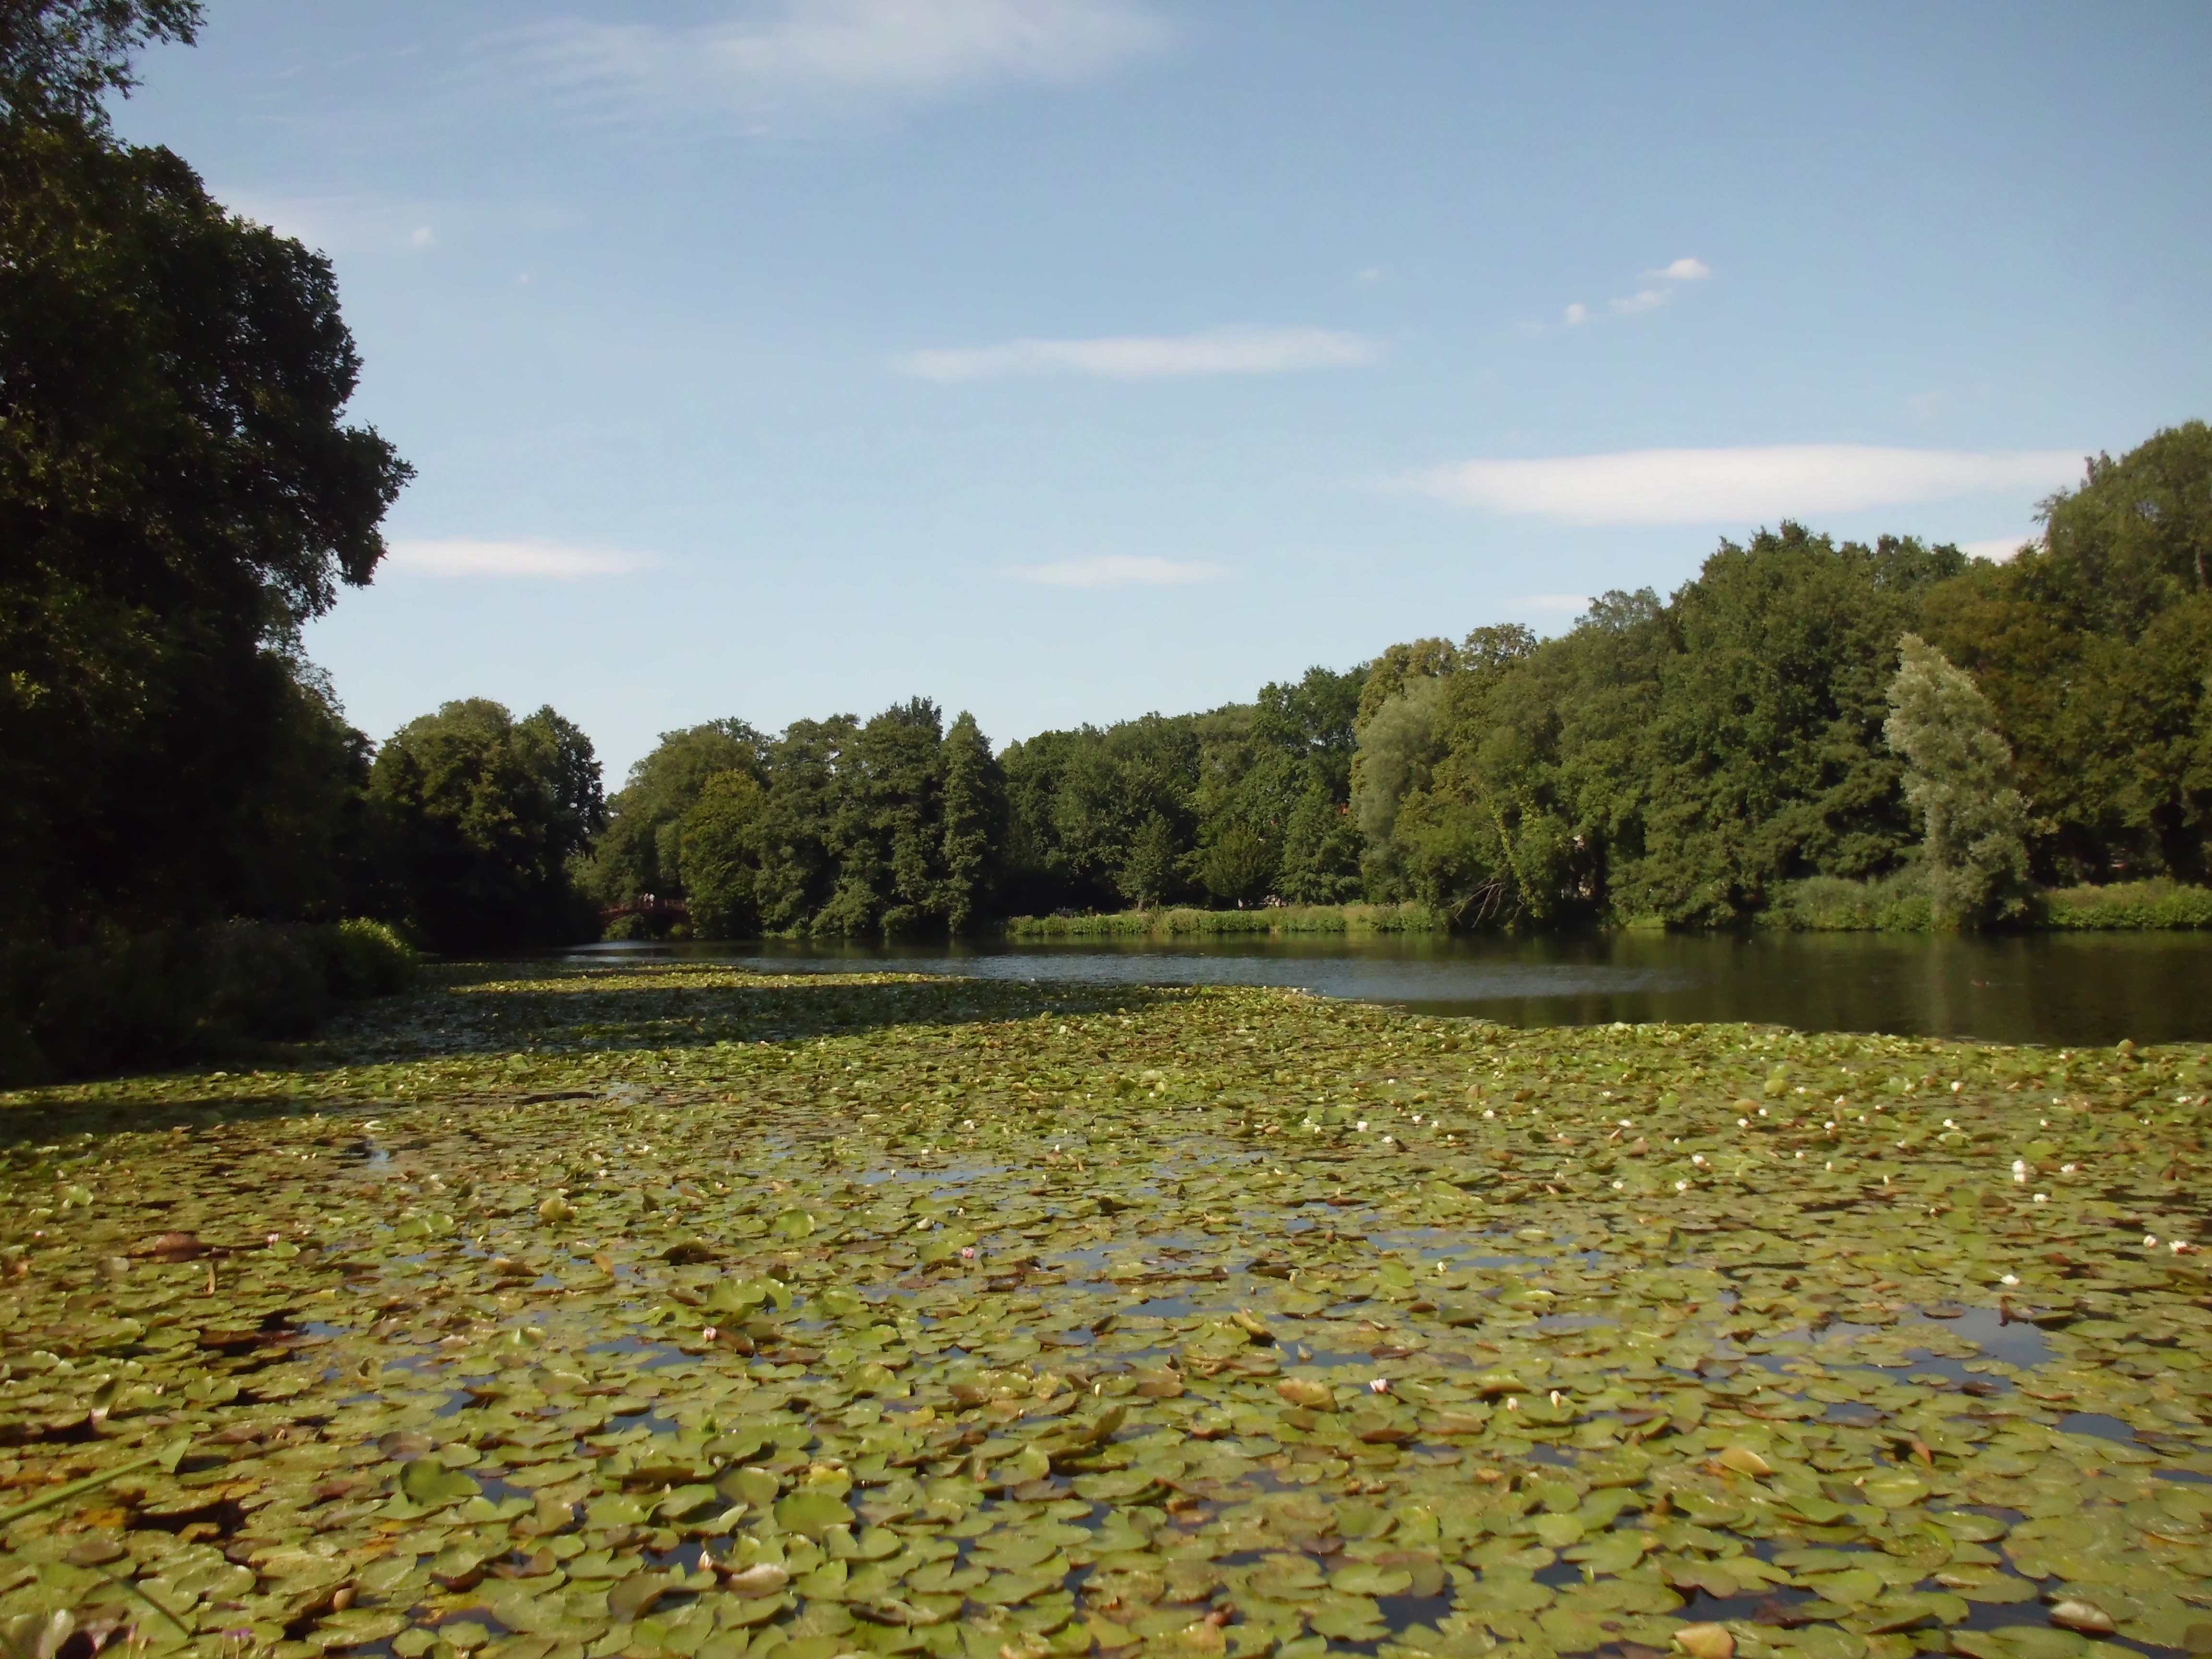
x=1179, y=921
x=2135, y=904
x=1894, y=905
x=554, y=1313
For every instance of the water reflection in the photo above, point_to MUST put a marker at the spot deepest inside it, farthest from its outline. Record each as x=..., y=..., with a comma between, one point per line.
x=2081, y=988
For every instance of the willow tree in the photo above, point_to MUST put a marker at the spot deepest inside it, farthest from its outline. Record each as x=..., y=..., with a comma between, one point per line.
x=1959, y=778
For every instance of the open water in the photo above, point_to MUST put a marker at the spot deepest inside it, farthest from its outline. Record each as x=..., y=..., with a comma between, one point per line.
x=2050, y=988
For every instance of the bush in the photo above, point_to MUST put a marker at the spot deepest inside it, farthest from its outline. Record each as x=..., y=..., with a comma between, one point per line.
x=2159, y=903
x=132, y=1000
x=1830, y=904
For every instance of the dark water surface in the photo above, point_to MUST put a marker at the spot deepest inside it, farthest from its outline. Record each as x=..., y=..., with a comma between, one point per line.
x=2050, y=988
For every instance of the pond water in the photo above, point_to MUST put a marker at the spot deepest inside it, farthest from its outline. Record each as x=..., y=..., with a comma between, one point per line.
x=2062, y=988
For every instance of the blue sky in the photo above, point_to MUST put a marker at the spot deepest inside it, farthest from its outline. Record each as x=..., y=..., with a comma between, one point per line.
x=1066, y=359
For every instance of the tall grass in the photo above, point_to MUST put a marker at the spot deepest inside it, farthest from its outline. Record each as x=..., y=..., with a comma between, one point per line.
x=125, y=1000
x=2144, y=904
x=1180, y=922
x=1832, y=904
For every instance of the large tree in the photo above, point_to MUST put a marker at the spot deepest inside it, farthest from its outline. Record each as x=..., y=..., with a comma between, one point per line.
x=479, y=818
x=179, y=492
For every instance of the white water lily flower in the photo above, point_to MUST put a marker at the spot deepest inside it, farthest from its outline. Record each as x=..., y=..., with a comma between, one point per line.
x=1512, y=1404
x=1489, y=1113
x=1681, y=1186
x=1362, y=1126
x=2150, y=1241
x=1697, y=1158
x=2043, y=1198
x=1628, y=1123
x=1949, y=1124
x=1801, y=1154
x=1620, y=1186
x=709, y=1333
x=2068, y=1168
x=1956, y=1087
x=2009, y=1278
x=2180, y=1247
x=1378, y=1385
x=1743, y=1123
x=2019, y=1169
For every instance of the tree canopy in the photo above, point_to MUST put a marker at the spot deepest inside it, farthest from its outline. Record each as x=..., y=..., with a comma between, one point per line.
x=179, y=492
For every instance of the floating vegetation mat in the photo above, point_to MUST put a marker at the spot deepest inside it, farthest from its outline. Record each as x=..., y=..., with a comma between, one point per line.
x=688, y=1311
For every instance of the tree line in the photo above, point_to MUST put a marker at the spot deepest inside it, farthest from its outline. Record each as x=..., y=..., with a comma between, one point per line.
x=1802, y=709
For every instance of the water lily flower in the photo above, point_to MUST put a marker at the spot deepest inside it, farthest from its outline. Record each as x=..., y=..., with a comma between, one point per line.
x=2019, y=1169
x=709, y=1333
x=1681, y=1186
x=1361, y=1124
x=2009, y=1278
x=2150, y=1241
x=2068, y=1168
x=1512, y=1403
x=1743, y=1123
x=967, y=1252
x=2180, y=1247
x=1487, y=1112
x=1556, y=1397
x=2043, y=1198
x=1378, y=1385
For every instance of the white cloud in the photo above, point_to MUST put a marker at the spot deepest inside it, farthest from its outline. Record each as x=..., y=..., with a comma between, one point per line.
x=785, y=48
x=535, y=561
x=1683, y=270
x=1998, y=548
x=423, y=236
x=1575, y=314
x=1144, y=357
x=1738, y=486
x=1115, y=570
x=1647, y=298
x=1576, y=603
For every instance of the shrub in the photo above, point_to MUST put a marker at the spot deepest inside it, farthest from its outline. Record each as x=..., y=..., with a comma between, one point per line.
x=132, y=1000
x=1890, y=904
x=2158, y=903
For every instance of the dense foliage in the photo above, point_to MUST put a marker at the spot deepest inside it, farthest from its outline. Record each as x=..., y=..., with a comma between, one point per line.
x=842, y=827
x=478, y=815
x=178, y=494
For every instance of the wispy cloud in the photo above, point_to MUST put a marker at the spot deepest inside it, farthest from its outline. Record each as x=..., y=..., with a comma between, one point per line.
x=1998, y=548
x=529, y=561
x=1737, y=486
x=786, y=48
x=1148, y=356
x=1116, y=570
x=1660, y=287
x=1574, y=604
